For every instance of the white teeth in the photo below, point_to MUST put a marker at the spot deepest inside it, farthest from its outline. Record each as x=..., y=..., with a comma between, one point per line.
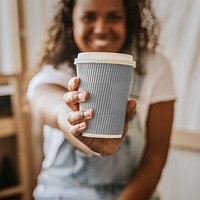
x=101, y=42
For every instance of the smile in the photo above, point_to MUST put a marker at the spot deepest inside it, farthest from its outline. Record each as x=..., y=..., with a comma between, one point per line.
x=101, y=43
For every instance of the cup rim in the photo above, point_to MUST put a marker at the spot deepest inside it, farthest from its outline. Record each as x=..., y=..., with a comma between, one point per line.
x=105, y=57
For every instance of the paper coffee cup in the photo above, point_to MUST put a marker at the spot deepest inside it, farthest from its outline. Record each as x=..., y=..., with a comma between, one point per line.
x=107, y=78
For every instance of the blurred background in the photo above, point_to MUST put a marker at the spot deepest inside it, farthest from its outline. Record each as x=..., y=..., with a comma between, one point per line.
x=23, y=25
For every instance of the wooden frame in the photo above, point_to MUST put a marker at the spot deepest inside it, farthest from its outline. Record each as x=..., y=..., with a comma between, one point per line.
x=185, y=140
x=14, y=126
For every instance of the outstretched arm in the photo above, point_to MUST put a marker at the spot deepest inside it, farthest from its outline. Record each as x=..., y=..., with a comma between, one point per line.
x=48, y=105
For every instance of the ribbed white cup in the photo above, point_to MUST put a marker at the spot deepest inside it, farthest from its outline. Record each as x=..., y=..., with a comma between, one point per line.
x=107, y=78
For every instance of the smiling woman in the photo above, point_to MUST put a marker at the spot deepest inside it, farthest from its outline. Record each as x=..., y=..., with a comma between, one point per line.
x=102, y=168
x=99, y=26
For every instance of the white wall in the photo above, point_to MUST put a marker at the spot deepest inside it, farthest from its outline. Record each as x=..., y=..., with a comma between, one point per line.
x=180, y=42
x=10, y=50
x=181, y=177
x=38, y=15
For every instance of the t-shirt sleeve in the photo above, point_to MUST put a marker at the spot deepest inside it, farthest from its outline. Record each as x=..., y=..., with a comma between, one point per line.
x=163, y=87
x=50, y=75
x=158, y=86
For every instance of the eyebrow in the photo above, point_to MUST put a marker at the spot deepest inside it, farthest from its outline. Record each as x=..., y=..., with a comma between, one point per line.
x=111, y=11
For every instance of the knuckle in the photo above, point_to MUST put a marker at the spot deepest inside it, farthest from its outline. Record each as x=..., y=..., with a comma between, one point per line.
x=74, y=117
x=72, y=84
x=73, y=130
x=69, y=117
x=80, y=115
x=67, y=97
x=71, y=97
x=74, y=96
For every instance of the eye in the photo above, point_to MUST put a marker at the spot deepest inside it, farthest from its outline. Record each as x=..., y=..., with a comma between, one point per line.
x=88, y=17
x=115, y=17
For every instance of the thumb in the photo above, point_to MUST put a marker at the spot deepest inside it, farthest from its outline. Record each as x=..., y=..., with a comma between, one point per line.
x=131, y=108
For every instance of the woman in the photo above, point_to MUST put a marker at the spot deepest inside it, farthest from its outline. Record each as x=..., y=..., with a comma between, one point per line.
x=77, y=167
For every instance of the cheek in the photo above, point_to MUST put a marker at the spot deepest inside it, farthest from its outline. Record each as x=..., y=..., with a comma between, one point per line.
x=77, y=33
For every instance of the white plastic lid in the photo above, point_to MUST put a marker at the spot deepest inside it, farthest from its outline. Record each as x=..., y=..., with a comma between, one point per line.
x=105, y=57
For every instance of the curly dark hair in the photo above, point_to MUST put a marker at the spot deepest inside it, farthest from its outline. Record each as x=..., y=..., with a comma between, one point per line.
x=142, y=30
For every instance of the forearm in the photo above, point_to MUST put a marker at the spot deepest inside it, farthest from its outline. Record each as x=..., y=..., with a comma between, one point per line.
x=49, y=107
x=145, y=180
x=46, y=101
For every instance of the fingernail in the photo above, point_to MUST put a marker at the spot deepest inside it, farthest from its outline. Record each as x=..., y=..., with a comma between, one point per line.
x=81, y=95
x=87, y=113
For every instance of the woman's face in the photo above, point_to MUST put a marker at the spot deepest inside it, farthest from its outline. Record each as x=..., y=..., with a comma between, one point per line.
x=99, y=25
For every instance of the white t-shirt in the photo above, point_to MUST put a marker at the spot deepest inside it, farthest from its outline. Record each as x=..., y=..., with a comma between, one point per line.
x=65, y=168
x=157, y=86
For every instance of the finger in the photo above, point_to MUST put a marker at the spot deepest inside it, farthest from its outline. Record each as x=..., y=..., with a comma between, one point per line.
x=73, y=98
x=77, y=129
x=80, y=116
x=73, y=84
x=131, y=109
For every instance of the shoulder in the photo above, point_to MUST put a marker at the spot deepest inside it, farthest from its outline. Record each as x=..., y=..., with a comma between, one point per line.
x=51, y=75
x=157, y=70
x=61, y=69
x=159, y=80
x=157, y=62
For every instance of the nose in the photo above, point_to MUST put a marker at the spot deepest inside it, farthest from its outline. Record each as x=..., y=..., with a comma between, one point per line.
x=101, y=27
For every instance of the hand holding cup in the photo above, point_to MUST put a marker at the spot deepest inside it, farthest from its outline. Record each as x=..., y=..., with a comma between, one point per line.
x=79, y=120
